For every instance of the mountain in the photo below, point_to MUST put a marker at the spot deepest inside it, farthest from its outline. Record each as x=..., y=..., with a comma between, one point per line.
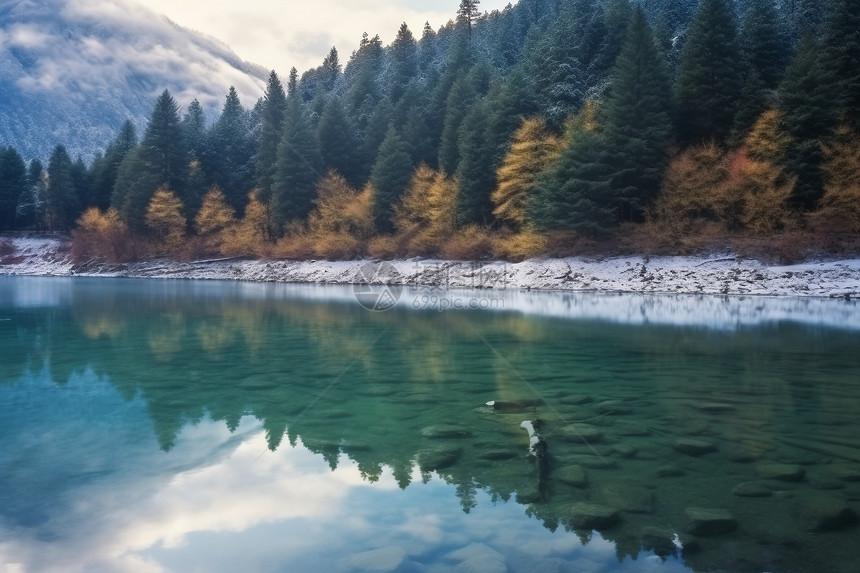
x=71, y=71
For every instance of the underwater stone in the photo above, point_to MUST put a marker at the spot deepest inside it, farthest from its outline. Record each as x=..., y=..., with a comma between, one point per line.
x=572, y=475
x=441, y=432
x=693, y=447
x=821, y=511
x=479, y=557
x=439, y=458
x=593, y=516
x=625, y=450
x=669, y=471
x=628, y=497
x=845, y=472
x=780, y=472
x=705, y=522
x=752, y=489
x=579, y=432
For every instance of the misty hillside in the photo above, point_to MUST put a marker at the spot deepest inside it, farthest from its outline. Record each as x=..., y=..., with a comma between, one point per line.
x=73, y=70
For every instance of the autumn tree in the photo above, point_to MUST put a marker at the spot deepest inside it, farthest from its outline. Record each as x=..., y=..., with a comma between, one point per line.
x=841, y=202
x=215, y=215
x=103, y=235
x=251, y=233
x=533, y=149
x=427, y=214
x=164, y=217
x=342, y=219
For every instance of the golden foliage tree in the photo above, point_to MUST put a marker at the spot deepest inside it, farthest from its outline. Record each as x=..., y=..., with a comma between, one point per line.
x=165, y=219
x=687, y=192
x=215, y=215
x=840, y=205
x=102, y=235
x=427, y=214
x=532, y=150
x=251, y=234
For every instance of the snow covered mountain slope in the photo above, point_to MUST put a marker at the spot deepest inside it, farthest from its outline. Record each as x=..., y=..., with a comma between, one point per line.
x=71, y=71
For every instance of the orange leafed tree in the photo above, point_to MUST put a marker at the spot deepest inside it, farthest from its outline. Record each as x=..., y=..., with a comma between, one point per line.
x=251, y=233
x=215, y=215
x=165, y=219
x=342, y=219
x=532, y=150
x=102, y=235
x=840, y=205
x=427, y=214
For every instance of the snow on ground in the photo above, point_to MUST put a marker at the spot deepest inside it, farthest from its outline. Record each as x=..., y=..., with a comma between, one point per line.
x=717, y=274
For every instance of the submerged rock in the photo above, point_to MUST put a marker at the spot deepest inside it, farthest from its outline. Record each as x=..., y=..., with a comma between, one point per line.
x=571, y=475
x=384, y=559
x=693, y=447
x=705, y=522
x=845, y=472
x=629, y=498
x=670, y=471
x=593, y=462
x=580, y=432
x=438, y=458
x=752, y=489
x=478, y=557
x=780, y=472
x=445, y=432
x=587, y=515
x=820, y=511
x=625, y=450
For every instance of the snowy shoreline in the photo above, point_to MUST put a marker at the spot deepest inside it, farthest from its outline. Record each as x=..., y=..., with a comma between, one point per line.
x=715, y=275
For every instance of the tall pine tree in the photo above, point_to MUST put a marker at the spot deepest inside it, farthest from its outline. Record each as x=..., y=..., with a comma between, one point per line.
x=271, y=130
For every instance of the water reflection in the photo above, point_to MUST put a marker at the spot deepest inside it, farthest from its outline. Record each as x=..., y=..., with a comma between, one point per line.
x=642, y=424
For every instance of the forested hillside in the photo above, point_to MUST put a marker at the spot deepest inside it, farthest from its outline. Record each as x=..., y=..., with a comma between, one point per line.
x=507, y=134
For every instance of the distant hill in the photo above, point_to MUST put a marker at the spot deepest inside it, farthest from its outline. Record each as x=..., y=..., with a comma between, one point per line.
x=71, y=71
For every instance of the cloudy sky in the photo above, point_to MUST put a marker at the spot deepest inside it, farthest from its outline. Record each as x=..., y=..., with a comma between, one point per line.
x=279, y=34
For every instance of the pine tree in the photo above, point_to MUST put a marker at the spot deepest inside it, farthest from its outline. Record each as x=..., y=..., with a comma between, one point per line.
x=215, y=215
x=299, y=167
x=404, y=57
x=637, y=120
x=13, y=184
x=467, y=13
x=426, y=217
x=63, y=203
x=389, y=177
x=808, y=117
x=229, y=157
x=840, y=59
x=194, y=129
x=331, y=69
x=457, y=106
x=105, y=170
x=32, y=204
x=164, y=217
x=763, y=44
x=532, y=151
x=271, y=130
x=161, y=159
x=476, y=175
x=708, y=82
x=338, y=143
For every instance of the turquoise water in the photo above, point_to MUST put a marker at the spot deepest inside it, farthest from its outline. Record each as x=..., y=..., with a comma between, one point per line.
x=180, y=426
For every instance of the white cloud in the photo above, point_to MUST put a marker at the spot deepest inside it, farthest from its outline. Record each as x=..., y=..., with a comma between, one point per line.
x=279, y=34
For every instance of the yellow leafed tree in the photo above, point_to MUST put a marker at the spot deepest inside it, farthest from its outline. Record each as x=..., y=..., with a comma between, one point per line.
x=427, y=214
x=165, y=219
x=215, y=215
x=102, y=235
x=532, y=150
x=251, y=233
x=841, y=202
x=342, y=219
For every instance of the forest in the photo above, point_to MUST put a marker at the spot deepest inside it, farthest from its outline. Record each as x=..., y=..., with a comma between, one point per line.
x=550, y=127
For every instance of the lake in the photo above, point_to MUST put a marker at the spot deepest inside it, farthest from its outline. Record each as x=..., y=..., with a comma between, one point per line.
x=218, y=426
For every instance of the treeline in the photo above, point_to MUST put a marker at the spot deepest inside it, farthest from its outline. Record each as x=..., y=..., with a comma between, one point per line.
x=499, y=134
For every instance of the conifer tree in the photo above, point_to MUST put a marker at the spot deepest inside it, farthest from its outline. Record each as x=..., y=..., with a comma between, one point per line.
x=229, y=157
x=271, y=129
x=467, y=13
x=476, y=175
x=298, y=168
x=708, y=83
x=404, y=56
x=13, y=185
x=533, y=149
x=763, y=45
x=389, y=177
x=32, y=204
x=105, y=170
x=63, y=203
x=215, y=215
x=194, y=129
x=331, y=69
x=808, y=117
x=457, y=106
x=840, y=59
x=164, y=217
x=637, y=120
x=426, y=217
x=338, y=143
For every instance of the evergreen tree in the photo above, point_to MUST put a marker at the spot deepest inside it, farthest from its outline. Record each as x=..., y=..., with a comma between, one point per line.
x=338, y=144
x=762, y=42
x=638, y=120
x=331, y=69
x=467, y=13
x=63, y=203
x=390, y=176
x=105, y=170
x=32, y=204
x=476, y=175
x=460, y=98
x=404, y=58
x=271, y=129
x=83, y=182
x=194, y=129
x=840, y=59
x=298, y=168
x=229, y=157
x=808, y=117
x=161, y=159
x=708, y=83
x=13, y=185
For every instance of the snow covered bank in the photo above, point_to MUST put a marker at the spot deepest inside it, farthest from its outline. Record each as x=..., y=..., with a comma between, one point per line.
x=726, y=275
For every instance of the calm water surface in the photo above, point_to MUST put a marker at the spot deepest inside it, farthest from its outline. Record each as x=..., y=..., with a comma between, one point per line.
x=180, y=426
